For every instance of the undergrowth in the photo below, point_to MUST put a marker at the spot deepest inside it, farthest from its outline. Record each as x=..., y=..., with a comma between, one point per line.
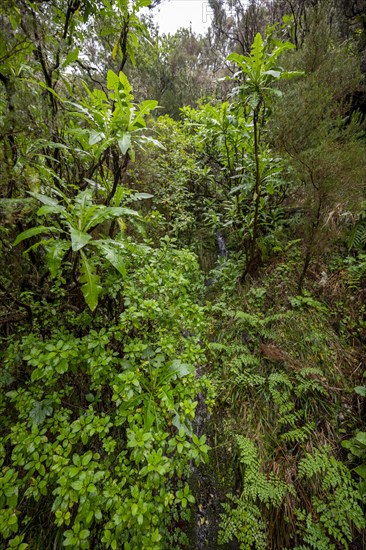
x=286, y=395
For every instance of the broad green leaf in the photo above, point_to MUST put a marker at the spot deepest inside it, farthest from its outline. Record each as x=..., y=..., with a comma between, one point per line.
x=115, y=49
x=40, y=410
x=56, y=250
x=78, y=239
x=113, y=255
x=141, y=196
x=32, y=233
x=112, y=80
x=125, y=143
x=96, y=214
x=181, y=369
x=144, y=109
x=361, y=390
x=72, y=56
x=149, y=413
x=119, y=211
x=256, y=56
x=48, y=209
x=361, y=437
x=236, y=58
x=275, y=74
x=95, y=137
x=90, y=282
x=44, y=199
x=84, y=200
x=125, y=83
x=254, y=100
x=361, y=471
x=84, y=534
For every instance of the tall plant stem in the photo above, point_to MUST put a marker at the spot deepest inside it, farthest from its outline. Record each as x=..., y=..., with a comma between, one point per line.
x=257, y=188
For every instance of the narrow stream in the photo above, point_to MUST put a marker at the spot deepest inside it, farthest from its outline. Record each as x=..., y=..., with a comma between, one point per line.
x=207, y=479
x=209, y=484
x=221, y=244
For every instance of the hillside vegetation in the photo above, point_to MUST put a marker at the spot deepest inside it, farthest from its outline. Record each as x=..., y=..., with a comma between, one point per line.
x=183, y=277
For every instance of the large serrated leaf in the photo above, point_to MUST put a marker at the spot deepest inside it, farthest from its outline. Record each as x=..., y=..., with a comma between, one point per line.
x=51, y=209
x=32, y=233
x=125, y=83
x=78, y=239
x=144, y=109
x=125, y=143
x=90, y=282
x=44, y=199
x=113, y=255
x=95, y=137
x=56, y=250
x=257, y=53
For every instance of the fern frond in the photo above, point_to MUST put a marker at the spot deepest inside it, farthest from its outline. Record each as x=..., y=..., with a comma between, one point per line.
x=336, y=502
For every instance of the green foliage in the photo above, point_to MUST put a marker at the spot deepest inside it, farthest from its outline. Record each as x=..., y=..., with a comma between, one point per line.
x=99, y=433
x=313, y=127
x=245, y=522
x=335, y=501
x=357, y=238
x=77, y=219
x=172, y=172
x=357, y=449
x=281, y=370
x=356, y=268
x=118, y=124
x=102, y=395
x=260, y=69
x=174, y=68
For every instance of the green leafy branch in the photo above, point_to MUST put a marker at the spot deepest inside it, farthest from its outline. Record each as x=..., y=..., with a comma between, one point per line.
x=77, y=218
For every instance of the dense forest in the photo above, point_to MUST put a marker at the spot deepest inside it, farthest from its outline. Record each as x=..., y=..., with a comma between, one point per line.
x=183, y=277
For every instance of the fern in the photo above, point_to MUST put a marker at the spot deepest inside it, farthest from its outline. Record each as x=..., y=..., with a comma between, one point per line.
x=285, y=394
x=299, y=435
x=357, y=272
x=247, y=379
x=244, y=520
x=306, y=382
x=335, y=501
x=313, y=534
x=217, y=346
x=280, y=387
x=248, y=359
x=357, y=238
